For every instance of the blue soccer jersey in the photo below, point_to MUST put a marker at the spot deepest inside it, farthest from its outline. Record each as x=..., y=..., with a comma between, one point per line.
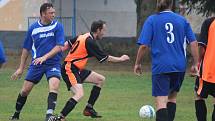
x=167, y=34
x=41, y=39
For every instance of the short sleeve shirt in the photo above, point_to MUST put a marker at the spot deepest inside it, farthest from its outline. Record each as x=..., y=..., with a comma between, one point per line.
x=167, y=34
x=41, y=39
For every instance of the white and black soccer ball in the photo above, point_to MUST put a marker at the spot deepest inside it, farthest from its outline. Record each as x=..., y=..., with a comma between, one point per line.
x=147, y=111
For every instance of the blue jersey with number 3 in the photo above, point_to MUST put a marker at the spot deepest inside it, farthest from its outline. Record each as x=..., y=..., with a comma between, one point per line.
x=167, y=34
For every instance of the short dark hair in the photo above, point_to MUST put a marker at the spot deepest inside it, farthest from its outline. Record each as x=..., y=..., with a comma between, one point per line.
x=44, y=7
x=97, y=25
x=163, y=4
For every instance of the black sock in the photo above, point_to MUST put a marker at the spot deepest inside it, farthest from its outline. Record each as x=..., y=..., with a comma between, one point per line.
x=171, y=110
x=68, y=107
x=95, y=92
x=201, y=110
x=20, y=102
x=162, y=115
x=52, y=98
x=213, y=115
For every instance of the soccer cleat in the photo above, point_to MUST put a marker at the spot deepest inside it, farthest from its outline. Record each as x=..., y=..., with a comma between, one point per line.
x=50, y=117
x=14, y=117
x=91, y=112
x=59, y=118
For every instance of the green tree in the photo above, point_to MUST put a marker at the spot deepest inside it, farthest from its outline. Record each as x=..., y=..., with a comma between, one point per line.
x=144, y=9
x=206, y=7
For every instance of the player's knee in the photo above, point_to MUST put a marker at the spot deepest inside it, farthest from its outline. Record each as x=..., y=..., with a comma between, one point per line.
x=161, y=103
x=160, y=106
x=101, y=80
x=79, y=95
x=53, y=87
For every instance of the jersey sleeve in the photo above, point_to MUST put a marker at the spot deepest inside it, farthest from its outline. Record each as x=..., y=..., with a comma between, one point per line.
x=60, y=35
x=94, y=50
x=72, y=41
x=190, y=36
x=203, y=39
x=146, y=34
x=28, y=42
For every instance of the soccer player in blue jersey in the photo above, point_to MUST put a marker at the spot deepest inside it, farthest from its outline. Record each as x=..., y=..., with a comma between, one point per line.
x=45, y=40
x=2, y=55
x=167, y=34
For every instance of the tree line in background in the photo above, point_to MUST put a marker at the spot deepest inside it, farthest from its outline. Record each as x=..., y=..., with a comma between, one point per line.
x=147, y=7
x=206, y=7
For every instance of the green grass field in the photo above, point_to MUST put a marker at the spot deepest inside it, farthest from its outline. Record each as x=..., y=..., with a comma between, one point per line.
x=120, y=100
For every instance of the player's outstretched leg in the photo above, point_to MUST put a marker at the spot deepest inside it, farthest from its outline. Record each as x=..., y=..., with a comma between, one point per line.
x=19, y=105
x=98, y=80
x=89, y=110
x=52, y=99
x=21, y=99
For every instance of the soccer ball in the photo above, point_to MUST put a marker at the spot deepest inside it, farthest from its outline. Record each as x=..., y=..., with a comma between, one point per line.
x=147, y=111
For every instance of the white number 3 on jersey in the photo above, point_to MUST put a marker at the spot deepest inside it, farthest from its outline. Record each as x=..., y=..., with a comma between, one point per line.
x=170, y=36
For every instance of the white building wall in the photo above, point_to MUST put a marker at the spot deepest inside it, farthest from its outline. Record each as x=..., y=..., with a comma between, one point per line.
x=120, y=15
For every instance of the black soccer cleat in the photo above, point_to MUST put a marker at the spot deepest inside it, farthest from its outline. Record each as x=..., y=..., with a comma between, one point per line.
x=91, y=112
x=49, y=117
x=14, y=117
x=59, y=118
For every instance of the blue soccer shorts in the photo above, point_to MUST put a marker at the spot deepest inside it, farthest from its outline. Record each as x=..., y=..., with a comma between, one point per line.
x=166, y=83
x=36, y=72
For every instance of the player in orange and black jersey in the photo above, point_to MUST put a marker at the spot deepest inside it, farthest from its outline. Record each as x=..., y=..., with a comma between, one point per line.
x=74, y=73
x=205, y=82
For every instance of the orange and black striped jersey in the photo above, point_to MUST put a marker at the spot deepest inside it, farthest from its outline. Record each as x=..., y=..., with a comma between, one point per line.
x=207, y=39
x=83, y=47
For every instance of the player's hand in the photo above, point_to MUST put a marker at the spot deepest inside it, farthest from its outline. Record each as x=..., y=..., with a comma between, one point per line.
x=125, y=57
x=137, y=69
x=39, y=60
x=17, y=74
x=194, y=71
